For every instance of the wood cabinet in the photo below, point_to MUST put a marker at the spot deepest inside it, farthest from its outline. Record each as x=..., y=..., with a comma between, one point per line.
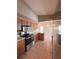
x=26, y=22
x=39, y=36
x=20, y=47
x=19, y=23
x=23, y=22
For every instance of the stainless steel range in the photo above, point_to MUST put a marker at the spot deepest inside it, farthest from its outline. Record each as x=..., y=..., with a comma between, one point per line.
x=29, y=36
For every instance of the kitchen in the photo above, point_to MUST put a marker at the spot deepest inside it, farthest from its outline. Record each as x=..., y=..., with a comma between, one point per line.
x=34, y=27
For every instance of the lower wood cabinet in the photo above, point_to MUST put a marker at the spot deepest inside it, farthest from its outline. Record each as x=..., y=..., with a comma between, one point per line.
x=20, y=47
x=39, y=36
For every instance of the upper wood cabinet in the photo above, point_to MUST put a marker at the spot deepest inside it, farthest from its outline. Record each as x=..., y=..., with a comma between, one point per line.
x=19, y=21
x=28, y=22
x=23, y=21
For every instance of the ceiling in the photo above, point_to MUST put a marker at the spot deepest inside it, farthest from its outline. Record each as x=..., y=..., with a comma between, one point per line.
x=55, y=16
x=44, y=7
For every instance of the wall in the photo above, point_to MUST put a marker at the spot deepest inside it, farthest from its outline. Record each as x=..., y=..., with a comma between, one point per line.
x=50, y=28
x=47, y=28
x=23, y=9
x=55, y=32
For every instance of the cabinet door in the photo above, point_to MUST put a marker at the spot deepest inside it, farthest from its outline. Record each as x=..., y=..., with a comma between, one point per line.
x=41, y=36
x=19, y=22
x=23, y=22
x=26, y=22
x=20, y=47
x=29, y=23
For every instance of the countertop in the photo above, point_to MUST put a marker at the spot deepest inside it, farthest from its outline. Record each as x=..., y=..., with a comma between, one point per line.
x=20, y=38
